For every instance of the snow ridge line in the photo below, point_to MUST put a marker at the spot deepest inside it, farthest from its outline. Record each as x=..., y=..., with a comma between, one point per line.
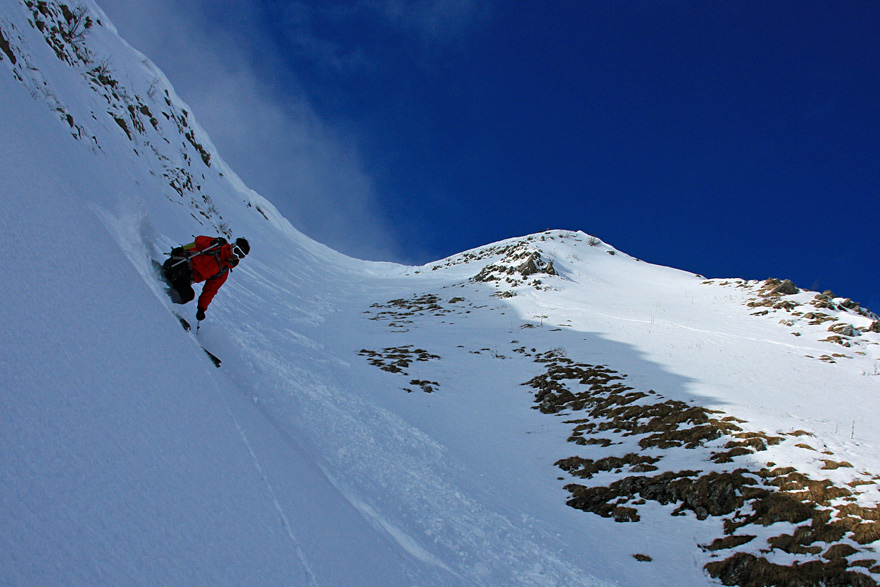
x=285, y=521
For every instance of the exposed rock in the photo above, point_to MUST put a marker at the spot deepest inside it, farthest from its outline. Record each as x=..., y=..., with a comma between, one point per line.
x=850, y=305
x=5, y=47
x=844, y=329
x=516, y=262
x=530, y=267
x=785, y=288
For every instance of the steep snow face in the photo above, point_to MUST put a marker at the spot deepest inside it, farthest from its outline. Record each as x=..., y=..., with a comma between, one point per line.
x=126, y=458
x=532, y=412
x=703, y=397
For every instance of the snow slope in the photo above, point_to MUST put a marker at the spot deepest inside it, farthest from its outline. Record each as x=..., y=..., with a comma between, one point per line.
x=375, y=424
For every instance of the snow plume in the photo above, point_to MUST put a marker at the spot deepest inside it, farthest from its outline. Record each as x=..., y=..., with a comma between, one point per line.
x=545, y=410
x=323, y=186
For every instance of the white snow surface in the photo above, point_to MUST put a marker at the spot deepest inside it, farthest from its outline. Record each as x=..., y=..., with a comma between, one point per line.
x=127, y=458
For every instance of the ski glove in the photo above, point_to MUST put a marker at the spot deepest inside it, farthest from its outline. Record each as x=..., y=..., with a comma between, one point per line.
x=200, y=315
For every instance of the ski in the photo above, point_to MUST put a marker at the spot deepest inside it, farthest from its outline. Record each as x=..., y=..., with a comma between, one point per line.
x=186, y=326
x=157, y=267
x=214, y=358
x=184, y=323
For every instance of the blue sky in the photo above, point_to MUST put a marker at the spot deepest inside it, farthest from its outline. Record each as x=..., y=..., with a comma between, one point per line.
x=731, y=139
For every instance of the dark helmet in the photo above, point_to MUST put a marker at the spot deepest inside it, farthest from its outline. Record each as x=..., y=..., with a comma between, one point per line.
x=241, y=248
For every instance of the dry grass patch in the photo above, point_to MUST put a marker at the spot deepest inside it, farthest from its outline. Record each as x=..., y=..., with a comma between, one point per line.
x=747, y=570
x=829, y=464
x=825, y=535
x=586, y=468
x=396, y=359
x=728, y=542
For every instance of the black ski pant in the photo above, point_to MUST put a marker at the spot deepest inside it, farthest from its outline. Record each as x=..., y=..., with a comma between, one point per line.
x=179, y=276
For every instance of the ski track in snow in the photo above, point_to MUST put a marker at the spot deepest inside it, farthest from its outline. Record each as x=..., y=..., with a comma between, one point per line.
x=408, y=543
x=285, y=522
x=371, y=454
x=136, y=238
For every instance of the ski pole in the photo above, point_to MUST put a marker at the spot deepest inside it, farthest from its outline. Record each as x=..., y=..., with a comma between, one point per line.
x=208, y=250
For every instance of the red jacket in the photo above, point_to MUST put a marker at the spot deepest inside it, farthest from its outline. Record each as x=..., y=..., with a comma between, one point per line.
x=211, y=266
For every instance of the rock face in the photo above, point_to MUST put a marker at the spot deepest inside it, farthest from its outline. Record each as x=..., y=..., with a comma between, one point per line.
x=844, y=329
x=786, y=288
x=520, y=265
x=535, y=264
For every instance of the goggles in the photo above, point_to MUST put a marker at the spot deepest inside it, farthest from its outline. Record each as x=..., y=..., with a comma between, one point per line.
x=236, y=250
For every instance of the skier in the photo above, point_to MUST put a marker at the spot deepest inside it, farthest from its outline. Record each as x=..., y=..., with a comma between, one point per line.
x=206, y=259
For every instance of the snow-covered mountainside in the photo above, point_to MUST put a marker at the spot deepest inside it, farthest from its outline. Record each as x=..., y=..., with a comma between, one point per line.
x=545, y=410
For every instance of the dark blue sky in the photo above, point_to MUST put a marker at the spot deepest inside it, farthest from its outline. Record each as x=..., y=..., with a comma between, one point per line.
x=731, y=139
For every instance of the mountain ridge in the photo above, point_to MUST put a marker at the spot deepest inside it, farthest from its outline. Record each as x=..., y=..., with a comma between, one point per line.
x=445, y=417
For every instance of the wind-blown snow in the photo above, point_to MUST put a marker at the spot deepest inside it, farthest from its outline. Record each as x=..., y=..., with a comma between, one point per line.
x=127, y=458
